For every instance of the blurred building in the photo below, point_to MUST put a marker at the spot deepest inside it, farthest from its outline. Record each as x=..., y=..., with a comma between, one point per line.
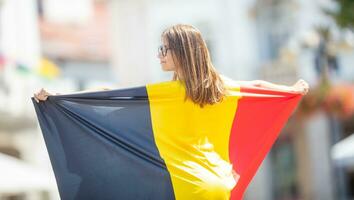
x=300, y=165
x=225, y=26
x=66, y=46
x=24, y=170
x=75, y=35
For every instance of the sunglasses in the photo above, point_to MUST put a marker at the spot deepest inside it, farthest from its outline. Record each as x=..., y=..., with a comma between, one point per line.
x=162, y=50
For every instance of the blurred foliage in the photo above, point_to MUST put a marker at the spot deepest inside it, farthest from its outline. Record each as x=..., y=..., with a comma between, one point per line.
x=344, y=14
x=334, y=99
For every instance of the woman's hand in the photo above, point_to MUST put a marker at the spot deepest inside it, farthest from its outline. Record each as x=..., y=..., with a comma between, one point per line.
x=300, y=87
x=42, y=95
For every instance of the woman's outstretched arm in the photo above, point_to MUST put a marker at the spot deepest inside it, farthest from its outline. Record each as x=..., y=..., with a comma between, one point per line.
x=300, y=87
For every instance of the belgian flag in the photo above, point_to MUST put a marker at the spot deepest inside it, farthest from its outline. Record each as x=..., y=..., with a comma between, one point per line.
x=149, y=143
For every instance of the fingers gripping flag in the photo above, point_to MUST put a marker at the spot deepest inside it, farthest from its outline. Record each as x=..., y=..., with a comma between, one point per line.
x=148, y=143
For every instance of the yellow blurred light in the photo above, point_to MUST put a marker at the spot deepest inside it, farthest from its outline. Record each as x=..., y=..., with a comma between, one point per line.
x=48, y=69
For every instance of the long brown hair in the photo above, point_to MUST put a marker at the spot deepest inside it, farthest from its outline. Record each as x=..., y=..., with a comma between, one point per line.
x=195, y=69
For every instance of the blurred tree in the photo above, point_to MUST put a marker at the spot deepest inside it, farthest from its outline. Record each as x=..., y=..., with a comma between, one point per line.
x=344, y=14
x=325, y=58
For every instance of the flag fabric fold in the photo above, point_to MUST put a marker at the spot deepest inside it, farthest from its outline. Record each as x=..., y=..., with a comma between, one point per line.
x=147, y=142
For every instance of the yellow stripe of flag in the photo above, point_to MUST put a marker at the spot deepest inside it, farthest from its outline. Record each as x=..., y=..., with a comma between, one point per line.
x=193, y=141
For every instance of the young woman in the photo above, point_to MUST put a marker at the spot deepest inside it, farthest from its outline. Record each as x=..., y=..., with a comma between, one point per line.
x=184, y=51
